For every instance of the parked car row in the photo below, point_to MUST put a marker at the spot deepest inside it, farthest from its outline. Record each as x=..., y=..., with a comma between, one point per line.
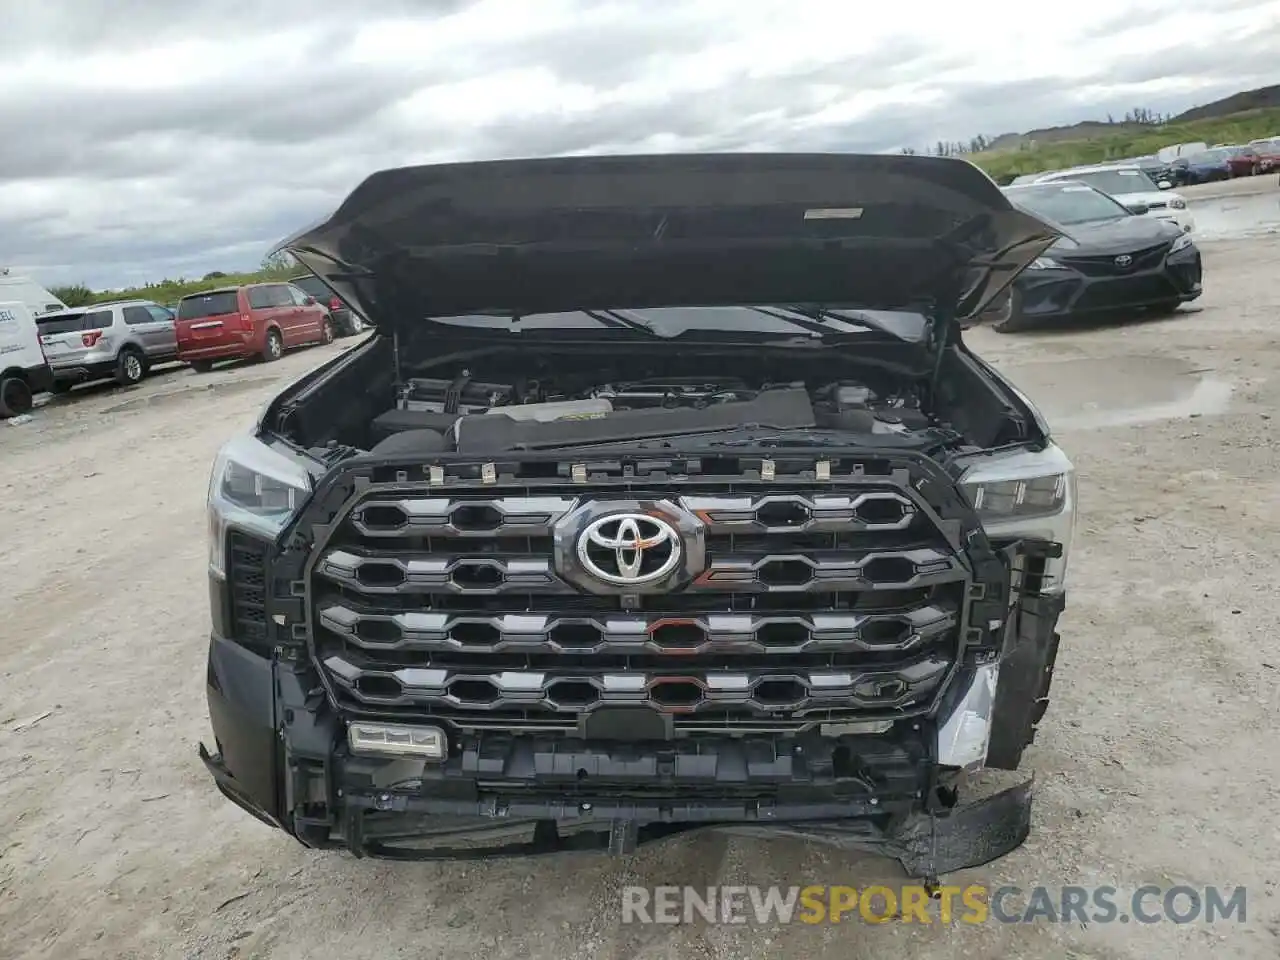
x=1130, y=185
x=1254, y=159
x=46, y=346
x=1190, y=164
x=1111, y=257
x=1223, y=162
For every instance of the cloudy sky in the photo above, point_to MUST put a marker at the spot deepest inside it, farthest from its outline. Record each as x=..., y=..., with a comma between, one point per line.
x=145, y=139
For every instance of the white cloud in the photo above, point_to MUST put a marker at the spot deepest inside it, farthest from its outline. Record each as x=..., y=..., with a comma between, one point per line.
x=148, y=139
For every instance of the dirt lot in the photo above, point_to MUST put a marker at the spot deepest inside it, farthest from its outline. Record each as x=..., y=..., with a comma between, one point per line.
x=1157, y=763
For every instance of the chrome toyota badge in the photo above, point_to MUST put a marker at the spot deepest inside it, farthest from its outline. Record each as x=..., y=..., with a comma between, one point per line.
x=629, y=549
x=1123, y=261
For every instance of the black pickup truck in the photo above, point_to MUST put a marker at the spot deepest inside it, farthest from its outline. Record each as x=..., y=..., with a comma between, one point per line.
x=666, y=496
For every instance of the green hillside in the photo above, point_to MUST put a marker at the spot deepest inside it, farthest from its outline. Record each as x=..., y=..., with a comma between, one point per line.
x=1129, y=141
x=167, y=291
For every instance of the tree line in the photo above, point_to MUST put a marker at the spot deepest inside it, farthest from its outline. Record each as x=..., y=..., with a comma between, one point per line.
x=277, y=266
x=1138, y=116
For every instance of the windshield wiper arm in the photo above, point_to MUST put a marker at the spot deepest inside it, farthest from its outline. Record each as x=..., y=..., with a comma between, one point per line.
x=617, y=321
x=821, y=315
x=809, y=319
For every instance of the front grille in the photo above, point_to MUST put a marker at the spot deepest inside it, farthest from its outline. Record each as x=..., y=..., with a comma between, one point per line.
x=815, y=602
x=1107, y=267
x=247, y=584
x=1128, y=292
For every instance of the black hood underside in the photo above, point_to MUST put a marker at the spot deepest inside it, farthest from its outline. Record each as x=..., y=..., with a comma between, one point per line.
x=876, y=232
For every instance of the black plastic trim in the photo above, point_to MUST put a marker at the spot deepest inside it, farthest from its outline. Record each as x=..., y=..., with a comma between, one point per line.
x=918, y=478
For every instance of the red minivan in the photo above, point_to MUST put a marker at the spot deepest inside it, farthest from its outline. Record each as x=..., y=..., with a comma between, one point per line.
x=256, y=320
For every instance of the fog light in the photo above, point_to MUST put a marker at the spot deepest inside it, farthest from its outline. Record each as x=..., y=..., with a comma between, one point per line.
x=964, y=738
x=396, y=740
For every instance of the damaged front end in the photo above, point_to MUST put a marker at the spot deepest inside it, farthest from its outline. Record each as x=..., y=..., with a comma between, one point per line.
x=615, y=582
x=846, y=703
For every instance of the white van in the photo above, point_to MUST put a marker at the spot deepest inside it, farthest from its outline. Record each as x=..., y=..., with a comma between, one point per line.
x=25, y=290
x=1175, y=150
x=24, y=372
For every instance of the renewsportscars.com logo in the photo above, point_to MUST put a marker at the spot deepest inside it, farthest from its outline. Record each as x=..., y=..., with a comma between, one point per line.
x=916, y=903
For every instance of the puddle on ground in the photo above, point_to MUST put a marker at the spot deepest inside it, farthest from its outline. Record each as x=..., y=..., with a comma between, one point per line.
x=1085, y=393
x=1229, y=218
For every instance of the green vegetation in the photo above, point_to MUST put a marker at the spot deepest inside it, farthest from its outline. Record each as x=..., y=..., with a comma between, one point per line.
x=168, y=291
x=1129, y=141
x=76, y=295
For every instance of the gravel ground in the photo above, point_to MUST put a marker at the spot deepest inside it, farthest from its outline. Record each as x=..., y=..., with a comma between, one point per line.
x=1156, y=764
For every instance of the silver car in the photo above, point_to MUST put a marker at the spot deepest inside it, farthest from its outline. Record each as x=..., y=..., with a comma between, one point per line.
x=121, y=340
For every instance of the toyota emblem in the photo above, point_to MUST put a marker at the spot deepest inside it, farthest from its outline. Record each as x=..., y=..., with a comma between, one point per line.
x=1123, y=261
x=629, y=549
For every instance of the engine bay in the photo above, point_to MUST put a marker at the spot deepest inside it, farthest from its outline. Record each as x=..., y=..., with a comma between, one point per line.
x=476, y=413
x=478, y=392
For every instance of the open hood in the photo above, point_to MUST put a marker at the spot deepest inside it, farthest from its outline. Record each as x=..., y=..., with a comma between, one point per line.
x=876, y=232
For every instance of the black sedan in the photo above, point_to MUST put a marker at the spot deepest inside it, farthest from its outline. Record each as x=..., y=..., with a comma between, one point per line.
x=345, y=322
x=1110, y=258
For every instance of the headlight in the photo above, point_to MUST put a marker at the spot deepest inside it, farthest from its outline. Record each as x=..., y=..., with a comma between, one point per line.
x=1008, y=499
x=252, y=488
x=1045, y=263
x=1027, y=494
x=1177, y=203
x=1184, y=240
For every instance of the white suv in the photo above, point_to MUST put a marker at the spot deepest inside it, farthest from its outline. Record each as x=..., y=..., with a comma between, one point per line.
x=120, y=340
x=1130, y=185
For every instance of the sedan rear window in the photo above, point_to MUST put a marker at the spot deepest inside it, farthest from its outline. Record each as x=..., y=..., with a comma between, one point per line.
x=202, y=305
x=66, y=322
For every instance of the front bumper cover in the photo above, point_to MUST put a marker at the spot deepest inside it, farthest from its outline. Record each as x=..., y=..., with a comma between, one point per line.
x=1065, y=291
x=927, y=843
x=281, y=756
x=281, y=752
